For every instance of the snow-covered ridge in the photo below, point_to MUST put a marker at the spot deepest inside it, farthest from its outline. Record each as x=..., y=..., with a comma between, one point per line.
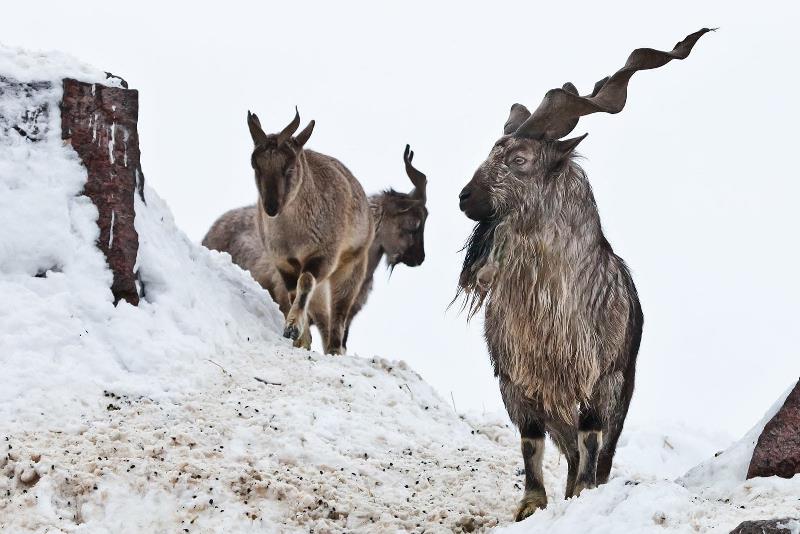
x=61, y=337
x=37, y=66
x=189, y=413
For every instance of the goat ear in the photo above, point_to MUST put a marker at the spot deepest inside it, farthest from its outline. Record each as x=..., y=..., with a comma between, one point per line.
x=566, y=147
x=303, y=136
x=402, y=205
x=256, y=132
x=516, y=117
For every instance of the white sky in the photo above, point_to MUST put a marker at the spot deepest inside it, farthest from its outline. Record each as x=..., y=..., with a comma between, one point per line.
x=694, y=179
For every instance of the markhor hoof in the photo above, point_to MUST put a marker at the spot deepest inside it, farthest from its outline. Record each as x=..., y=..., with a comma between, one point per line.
x=291, y=332
x=304, y=341
x=580, y=487
x=529, y=504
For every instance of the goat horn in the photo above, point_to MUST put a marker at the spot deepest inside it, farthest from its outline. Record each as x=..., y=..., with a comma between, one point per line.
x=287, y=132
x=417, y=178
x=560, y=109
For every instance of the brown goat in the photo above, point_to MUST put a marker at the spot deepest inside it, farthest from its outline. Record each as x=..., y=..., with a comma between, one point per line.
x=236, y=232
x=315, y=225
x=398, y=220
x=563, y=321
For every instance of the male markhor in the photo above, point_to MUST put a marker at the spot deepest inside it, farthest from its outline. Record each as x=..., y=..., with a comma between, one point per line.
x=563, y=320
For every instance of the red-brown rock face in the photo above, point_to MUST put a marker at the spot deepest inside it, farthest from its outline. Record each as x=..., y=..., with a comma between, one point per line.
x=770, y=526
x=100, y=123
x=778, y=449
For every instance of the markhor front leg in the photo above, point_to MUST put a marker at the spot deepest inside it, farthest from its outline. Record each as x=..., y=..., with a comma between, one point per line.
x=589, y=445
x=590, y=442
x=296, y=327
x=304, y=341
x=535, y=497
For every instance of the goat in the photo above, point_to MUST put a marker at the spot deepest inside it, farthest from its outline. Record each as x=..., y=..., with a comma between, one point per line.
x=563, y=321
x=236, y=232
x=399, y=220
x=315, y=227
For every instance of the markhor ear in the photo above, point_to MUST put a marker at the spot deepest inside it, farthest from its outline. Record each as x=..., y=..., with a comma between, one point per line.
x=566, y=147
x=516, y=117
x=256, y=132
x=402, y=205
x=303, y=136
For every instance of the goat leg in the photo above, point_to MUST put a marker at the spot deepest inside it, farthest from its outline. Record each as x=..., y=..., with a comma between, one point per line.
x=590, y=442
x=297, y=326
x=535, y=496
x=345, y=284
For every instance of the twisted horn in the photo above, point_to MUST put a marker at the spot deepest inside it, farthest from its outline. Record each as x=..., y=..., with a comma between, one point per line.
x=417, y=178
x=287, y=132
x=560, y=109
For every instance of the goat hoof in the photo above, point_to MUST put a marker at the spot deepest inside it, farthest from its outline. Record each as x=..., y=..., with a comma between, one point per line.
x=303, y=341
x=291, y=332
x=300, y=343
x=530, y=503
x=580, y=486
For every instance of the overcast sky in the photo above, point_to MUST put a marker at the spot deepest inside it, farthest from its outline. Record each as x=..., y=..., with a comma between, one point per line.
x=695, y=179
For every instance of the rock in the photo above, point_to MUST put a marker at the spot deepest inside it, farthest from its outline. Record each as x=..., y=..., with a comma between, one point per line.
x=29, y=476
x=769, y=526
x=777, y=451
x=101, y=125
x=30, y=121
x=466, y=523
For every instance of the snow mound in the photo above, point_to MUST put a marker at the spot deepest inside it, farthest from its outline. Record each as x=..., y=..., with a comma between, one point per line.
x=731, y=465
x=61, y=338
x=284, y=440
x=713, y=496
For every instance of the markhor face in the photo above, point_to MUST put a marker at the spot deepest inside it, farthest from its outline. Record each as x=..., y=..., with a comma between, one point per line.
x=510, y=162
x=275, y=176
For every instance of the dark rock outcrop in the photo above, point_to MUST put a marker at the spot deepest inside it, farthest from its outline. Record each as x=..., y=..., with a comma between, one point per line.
x=769, y=526
x=100, y=124
x=778, y=449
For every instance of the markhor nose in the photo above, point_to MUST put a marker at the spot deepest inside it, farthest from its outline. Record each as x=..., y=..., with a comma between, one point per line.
x=464, y=194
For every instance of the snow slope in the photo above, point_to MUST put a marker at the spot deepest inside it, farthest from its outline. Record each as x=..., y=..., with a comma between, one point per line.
x=712, y=497
x=190, y=413
x=60, y=335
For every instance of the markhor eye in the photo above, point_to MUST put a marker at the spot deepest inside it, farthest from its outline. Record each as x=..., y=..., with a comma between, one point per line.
x=519, y=160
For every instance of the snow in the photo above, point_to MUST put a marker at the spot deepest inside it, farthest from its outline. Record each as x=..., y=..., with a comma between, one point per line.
x=191, y=413
x=645, y=497
x=61, y=336
x=32, y=66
